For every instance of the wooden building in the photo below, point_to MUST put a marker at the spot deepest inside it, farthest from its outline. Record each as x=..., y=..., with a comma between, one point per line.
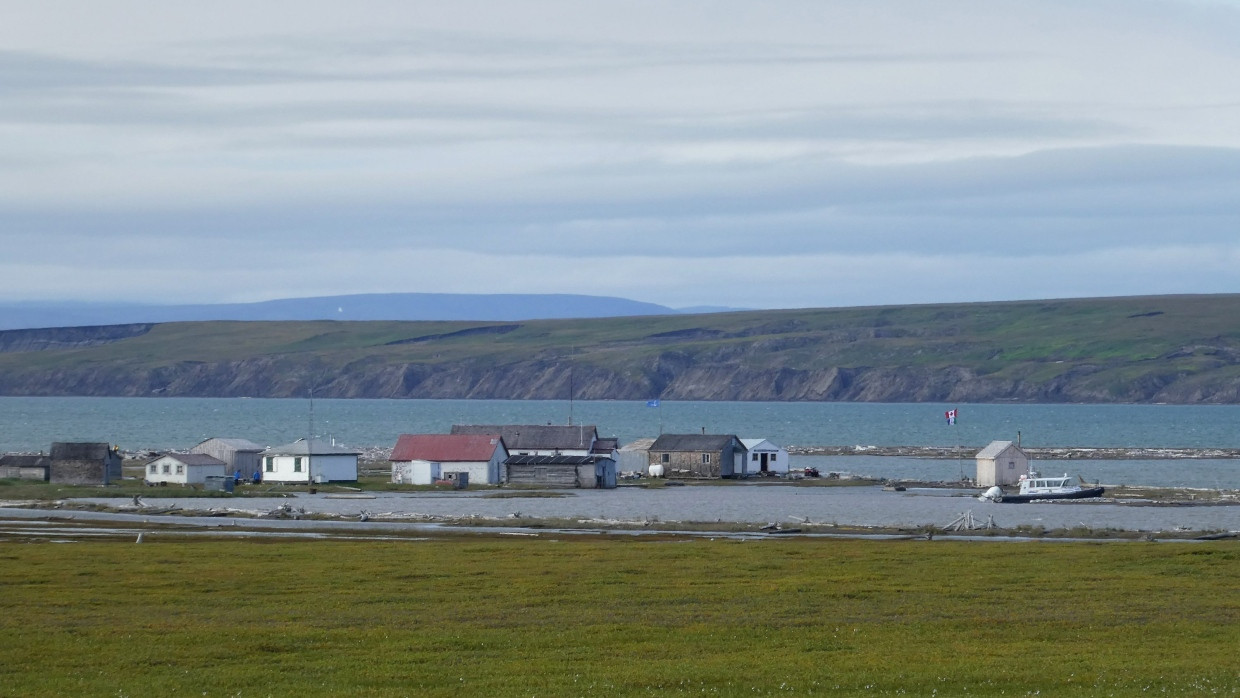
x=586, y=472
x=699, y=456
x=184, y=469
x=1001, y=463
x=539, y=439
x=24, y=467
x=237, y=454
x=421, y=459
x=310, y=461
x=765, y=457
x=84, y=463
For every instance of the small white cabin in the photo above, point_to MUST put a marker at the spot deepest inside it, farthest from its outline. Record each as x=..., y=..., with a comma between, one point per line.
x=315, y=460
x=766, y=457
x=184, y=469
x=1001, y=463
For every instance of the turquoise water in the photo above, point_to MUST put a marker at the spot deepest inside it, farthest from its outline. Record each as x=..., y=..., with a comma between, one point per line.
x=32, y=424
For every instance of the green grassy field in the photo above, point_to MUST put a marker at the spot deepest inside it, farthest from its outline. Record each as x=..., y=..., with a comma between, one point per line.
x=611, y=616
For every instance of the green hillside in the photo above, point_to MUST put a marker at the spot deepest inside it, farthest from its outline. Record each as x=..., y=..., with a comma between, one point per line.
x=1165, y=348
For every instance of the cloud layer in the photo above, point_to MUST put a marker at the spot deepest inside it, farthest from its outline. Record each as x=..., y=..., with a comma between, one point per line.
x=783, y=155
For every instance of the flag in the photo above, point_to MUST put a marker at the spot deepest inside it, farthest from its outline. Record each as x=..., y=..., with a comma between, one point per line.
x=951, y=416
x=652, y=403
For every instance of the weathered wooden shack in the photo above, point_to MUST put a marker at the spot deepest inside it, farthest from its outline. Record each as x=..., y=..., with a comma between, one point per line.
x=1001, y=463
x=24, y=467
x=84, y=463
x=236, y=454
x=699, y=456
x=539, y=439
x=585, y=472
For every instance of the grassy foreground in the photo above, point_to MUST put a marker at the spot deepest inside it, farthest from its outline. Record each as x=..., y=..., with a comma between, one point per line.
x=604, y=616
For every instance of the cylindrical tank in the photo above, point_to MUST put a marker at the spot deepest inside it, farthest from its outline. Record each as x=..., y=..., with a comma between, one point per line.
x=656, y=470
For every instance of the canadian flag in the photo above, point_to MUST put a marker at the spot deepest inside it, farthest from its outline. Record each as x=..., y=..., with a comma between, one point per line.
x=951, y=416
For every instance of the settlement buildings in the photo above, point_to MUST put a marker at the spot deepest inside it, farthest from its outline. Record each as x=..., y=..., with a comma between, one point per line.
x=84, y=463
x=699, y=456
x=237, y=454
x=421, y=459
x=309, y=461
x=1001, y=463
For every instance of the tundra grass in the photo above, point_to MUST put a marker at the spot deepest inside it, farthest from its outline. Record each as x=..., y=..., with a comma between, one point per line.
x=610, y=617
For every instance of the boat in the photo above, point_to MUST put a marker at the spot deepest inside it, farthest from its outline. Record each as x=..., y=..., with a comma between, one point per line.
x=1035, y=488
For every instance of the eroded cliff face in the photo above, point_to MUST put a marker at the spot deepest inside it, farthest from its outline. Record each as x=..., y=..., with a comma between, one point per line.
x=671, y=378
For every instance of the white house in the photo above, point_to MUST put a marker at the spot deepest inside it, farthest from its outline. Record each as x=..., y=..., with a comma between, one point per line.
x=184, y=469
x=766, y=457
x=1001, y=463
x=421, y=459
x=315, y=460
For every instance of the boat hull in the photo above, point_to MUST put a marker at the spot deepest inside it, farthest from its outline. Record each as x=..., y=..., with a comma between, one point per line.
x=1083, y=493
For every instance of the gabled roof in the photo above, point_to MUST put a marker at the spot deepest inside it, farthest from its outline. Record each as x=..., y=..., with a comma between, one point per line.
x=541, y=437
x=62, y=450
x=446, y=448
x=761, y=444
x=642, y=444
x=315, y=447
x=194, y=459
x=694, y=442
x=240, y=445
x=606, y=446
x=995, y=448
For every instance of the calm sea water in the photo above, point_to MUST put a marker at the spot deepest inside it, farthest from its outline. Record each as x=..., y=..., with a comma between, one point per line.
x=32, y=424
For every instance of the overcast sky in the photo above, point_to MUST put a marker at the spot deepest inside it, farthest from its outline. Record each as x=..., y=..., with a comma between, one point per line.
x=747, y=154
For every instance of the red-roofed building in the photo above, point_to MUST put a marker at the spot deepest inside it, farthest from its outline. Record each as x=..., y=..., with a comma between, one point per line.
x=421, y=459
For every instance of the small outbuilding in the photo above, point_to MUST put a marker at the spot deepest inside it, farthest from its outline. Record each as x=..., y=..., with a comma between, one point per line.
x=24, y=467
x=634, y=457
x=1001, y=463
x=766, y=458
x=184, y=469
x=84, y=463
x=237, y=454
x=309, y=461
x=421, y=459
x=699, y=456
x=586, y=472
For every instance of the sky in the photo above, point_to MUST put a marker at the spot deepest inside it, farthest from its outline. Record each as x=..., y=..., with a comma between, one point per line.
x=782, y=154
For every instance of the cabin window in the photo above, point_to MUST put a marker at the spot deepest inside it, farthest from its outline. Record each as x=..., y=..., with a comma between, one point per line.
x=667, y=458
x=1011, y=465
x=774, y=456
x=297, y=464
x=167, y=469
x=755, y=458
x=705, y=457
x=270, y=464
x=180, y=470
x=154, y=469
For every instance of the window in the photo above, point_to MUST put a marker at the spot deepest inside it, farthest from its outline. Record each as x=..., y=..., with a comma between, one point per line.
x=180, y=469
x=167, y=469
x=154, y=468
x=270, y=464
x=1011, y=465
x=705, y=457
x=667, y=458
x=297, y=464
x=774, y=456
x=755, y=458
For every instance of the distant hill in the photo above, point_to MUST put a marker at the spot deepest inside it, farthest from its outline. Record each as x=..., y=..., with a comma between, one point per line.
x=375, y=306
x=1175, y=349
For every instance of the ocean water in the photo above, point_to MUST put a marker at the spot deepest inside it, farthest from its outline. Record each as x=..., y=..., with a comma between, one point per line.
x=31, y=424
